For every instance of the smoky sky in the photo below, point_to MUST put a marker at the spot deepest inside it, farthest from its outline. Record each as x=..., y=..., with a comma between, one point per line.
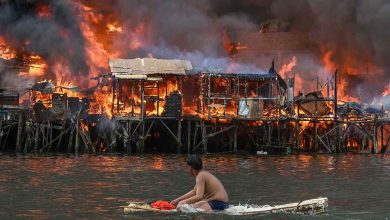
x=55, y=38
x=353, y=29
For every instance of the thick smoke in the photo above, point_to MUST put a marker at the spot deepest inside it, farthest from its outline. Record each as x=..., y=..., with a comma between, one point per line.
x=355, y=30
x=55, y=38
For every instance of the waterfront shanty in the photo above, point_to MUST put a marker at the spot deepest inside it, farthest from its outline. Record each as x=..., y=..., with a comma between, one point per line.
x=158, y=105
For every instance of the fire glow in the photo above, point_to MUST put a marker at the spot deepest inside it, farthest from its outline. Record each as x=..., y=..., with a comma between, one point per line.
x=102, y=32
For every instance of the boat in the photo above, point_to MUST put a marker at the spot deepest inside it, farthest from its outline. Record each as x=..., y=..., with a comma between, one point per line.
x=310, y=206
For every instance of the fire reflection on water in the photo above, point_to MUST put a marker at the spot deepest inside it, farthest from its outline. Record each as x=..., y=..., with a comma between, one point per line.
x=95, y=186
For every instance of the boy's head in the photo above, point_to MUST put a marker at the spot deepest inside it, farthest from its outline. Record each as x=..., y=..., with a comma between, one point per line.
x=195, y=164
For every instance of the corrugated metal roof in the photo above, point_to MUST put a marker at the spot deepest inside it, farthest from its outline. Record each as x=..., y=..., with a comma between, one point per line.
x=148, y=66
x=223, y=73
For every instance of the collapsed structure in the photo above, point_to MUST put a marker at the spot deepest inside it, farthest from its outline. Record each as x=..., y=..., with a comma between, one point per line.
x=171, y=106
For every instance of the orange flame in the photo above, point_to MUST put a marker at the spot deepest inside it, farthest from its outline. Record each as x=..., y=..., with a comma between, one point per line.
x=387, y=90
x=114, y=28
x=232, y=48
x=342, y=83
x=6, y=52
x=286, y=68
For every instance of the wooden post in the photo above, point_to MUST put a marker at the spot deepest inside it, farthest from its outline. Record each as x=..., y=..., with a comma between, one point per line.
x=50, y=135
x=126, y=137
x=141, y=142
x=27, y=143
x=36, y=139
x=204, y=137
x=298, y=135
x=327, y=87
x=316, y=127
x=188, y=136
x=20, y=132
x=76, y=145
x=364, y=142
x=235, y=147
x=43, y=135
x=113, y=95
x=382, y=132
x=1, y=126
x=335, y=111
x=60, y=139
x=71, y=139
x=119, y=94
x=269, y=133
x=178, y=135
x=375, y=136
x=195, y=134
x=158, y=98
x=129, y=138
x=113, y=136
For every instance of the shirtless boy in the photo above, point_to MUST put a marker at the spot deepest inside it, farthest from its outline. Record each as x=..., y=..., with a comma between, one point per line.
x=208, y=193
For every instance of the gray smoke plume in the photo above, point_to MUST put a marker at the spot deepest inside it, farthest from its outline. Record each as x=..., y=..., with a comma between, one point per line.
x=55, y=38
x=355, y=30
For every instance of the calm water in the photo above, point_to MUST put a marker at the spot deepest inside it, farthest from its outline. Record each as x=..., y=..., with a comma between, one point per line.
x=88, y=187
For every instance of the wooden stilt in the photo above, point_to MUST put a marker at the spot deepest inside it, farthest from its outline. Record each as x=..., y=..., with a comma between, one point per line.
x=269, y=135
x=235, y=137
x=1, y=127
x=204, y=138
x=113, y=143
x=129, y=138
x=20, y=133
x=36, y=139
x=231, y=142
x=6, y=136
x=375, y=136
x=195, y=135
x=43, y=135
x=141, y=141
x=71, y=139
x=316, y=127
x=50, y=135
x=178, y=132
x=27, y=142
x=382, y=132
x=188, y=136
x=126, y=136
x=76, y=145
x=364, y=142
x=336, y=112
x=60, y=138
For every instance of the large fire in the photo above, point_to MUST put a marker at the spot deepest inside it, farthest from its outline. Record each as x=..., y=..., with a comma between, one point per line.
x=107, y=37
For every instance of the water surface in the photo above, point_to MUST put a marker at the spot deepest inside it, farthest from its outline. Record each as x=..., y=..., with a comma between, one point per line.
x=89, y=187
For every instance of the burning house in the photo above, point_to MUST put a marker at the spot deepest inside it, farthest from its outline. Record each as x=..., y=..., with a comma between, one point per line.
x=148, y=87
x=206, y=90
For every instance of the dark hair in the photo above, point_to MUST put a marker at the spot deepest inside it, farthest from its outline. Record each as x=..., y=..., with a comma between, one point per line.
x=195, y=162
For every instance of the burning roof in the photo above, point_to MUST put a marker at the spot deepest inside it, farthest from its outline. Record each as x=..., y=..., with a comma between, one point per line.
x=148, y=66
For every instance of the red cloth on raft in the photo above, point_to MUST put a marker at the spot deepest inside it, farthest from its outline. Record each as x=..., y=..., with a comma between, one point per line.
x=162, y=205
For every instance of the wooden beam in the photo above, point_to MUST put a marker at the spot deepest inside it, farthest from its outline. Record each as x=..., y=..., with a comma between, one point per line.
x=179, y=143
x=188, y=136
x=169, y=131
x=19, y=136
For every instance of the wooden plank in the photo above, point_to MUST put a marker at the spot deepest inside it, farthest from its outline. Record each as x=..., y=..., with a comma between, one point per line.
x=20, y=133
